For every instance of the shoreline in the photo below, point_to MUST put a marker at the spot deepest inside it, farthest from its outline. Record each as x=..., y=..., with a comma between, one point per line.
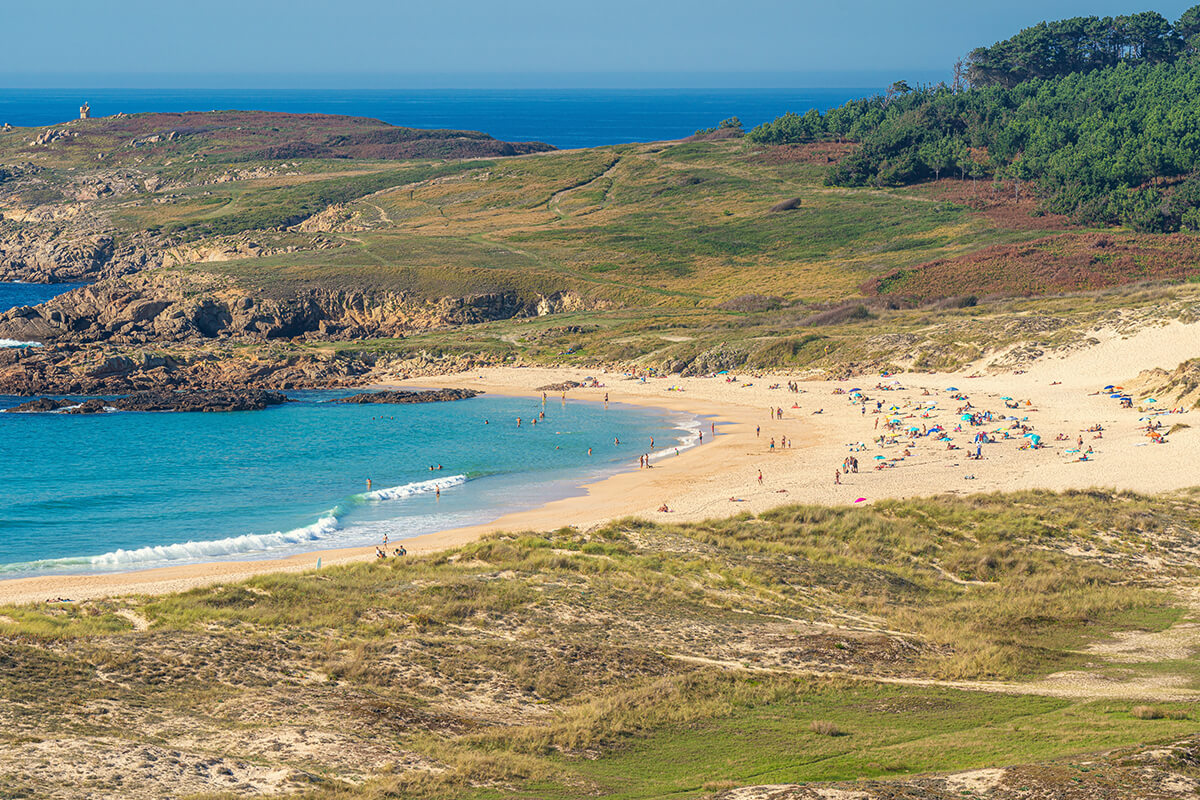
x=1058, y=397
x=171, y=578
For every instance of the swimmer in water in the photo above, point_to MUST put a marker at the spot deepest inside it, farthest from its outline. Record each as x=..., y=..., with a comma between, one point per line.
x=368, y=484
x=437, y=491
x=616, y=440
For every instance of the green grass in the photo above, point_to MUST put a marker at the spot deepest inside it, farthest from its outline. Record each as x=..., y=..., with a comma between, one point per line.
x=646, y=660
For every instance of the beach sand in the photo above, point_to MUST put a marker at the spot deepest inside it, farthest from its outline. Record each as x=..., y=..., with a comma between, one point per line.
x=720, y=477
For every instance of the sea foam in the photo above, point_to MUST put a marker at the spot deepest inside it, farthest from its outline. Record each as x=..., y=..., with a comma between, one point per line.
x=324, y=528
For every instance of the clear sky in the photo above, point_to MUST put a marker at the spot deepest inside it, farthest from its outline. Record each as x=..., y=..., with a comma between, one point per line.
x=508, y=43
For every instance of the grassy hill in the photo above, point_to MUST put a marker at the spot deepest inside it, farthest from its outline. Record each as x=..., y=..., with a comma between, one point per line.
x=640, y=660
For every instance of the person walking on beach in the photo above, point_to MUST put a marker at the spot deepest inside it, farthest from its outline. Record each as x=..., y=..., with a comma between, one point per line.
x=760, y=477
x=837, y=478
x=757, y=431
x=437, y=491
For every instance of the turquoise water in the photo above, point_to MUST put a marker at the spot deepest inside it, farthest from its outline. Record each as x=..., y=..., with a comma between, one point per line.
x=122, y=491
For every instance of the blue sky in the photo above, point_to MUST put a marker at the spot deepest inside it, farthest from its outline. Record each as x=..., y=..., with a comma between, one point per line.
x=508, y=43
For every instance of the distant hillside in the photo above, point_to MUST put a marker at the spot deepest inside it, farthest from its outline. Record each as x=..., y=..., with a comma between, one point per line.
x=1100, y=128
x=262, y=135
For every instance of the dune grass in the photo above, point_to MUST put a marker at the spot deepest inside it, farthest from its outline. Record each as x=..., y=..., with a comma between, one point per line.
x=641, y=660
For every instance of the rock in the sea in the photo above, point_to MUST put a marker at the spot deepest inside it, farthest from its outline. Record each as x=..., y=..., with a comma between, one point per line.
x=41, y=404
x=92, y=406
x=430, y=396
x=217, y=400
x=230, y=400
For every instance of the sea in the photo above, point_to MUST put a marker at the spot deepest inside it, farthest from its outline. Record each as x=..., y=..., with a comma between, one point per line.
x=133, y=490
x=125, y=490
x=565, y=118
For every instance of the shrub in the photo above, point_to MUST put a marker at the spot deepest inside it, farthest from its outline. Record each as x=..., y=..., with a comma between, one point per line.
x=1158, y=712
x=826, y=728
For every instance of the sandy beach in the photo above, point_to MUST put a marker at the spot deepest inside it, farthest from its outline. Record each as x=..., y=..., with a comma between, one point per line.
x=923, y=451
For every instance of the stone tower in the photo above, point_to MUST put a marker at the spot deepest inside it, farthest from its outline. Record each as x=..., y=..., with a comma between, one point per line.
x=85, y=111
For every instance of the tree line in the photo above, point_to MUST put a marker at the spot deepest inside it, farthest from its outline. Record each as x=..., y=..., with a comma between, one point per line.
x=1080, y=44
x=1117, y=144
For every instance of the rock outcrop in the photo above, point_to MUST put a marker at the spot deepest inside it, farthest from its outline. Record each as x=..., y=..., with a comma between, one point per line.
x=227, y=400
x=165, y=307
x=50, y=254
x=103, y=370
x=402, y=397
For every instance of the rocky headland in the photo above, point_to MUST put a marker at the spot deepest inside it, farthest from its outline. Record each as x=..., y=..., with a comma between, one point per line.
x=403, y=397
x=228, y=400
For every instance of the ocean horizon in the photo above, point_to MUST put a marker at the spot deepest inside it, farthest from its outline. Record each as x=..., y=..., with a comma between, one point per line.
x=565, y=118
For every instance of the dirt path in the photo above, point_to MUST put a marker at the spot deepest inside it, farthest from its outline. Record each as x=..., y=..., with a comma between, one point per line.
x=552, y=203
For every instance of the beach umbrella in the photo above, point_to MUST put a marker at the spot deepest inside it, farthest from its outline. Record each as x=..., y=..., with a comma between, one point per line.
x=952, y=389
x=879, y=458
x=965, y=417
x=1151, y=400
x=1036, y=438
x=861, y=500
x=1108, y=388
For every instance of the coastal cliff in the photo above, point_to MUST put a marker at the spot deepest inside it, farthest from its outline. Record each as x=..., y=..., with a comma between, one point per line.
x=165, y=308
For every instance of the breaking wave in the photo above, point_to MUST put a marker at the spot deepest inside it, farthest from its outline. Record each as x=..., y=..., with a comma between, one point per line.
x=325, y=527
